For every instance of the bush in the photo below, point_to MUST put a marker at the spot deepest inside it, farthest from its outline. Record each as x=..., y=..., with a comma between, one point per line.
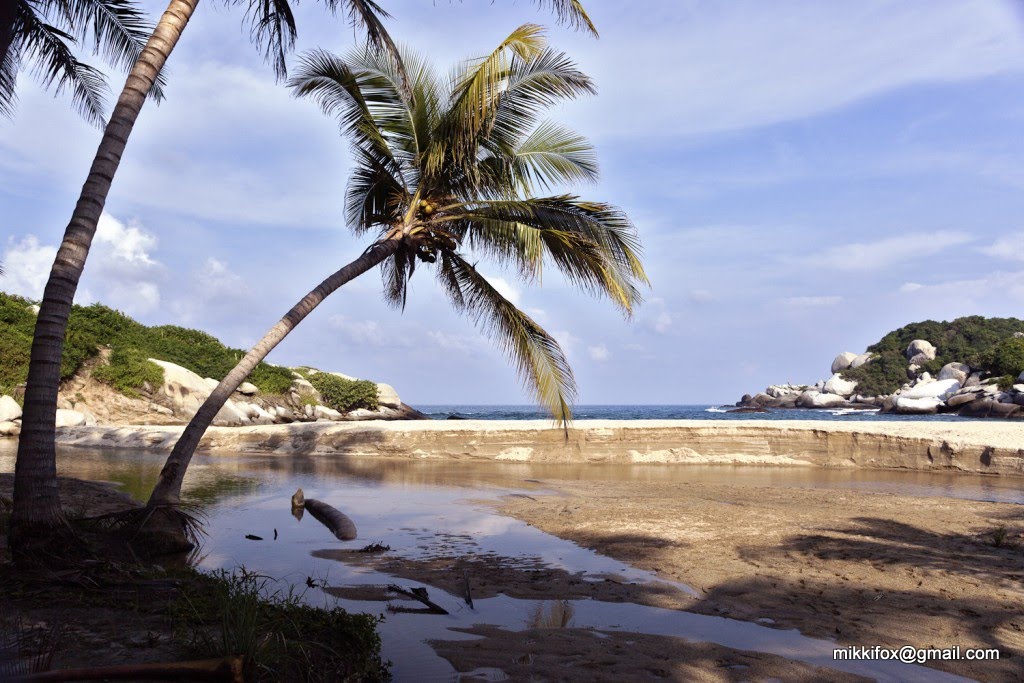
x=128, y=370
x=345, y=394
x=1007, y=358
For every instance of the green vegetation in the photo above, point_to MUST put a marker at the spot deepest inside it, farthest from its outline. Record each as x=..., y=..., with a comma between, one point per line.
x=986, y=344
x=281, y=638
x=132, y=343
x=344, y=394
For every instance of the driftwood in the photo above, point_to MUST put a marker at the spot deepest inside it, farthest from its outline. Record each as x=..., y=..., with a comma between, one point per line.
x=469, y=591
x=343, y=528
x=419, y=594
x=229, y=670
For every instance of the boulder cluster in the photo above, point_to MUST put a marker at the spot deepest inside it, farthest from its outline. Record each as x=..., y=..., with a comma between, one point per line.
x=183, y=391
x=957, y=388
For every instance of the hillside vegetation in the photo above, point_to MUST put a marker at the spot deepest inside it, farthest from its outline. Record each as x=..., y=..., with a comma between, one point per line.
x=91, y=328
x=986, y=344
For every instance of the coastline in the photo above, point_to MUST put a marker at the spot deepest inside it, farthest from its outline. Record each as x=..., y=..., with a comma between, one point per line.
x=988, y=447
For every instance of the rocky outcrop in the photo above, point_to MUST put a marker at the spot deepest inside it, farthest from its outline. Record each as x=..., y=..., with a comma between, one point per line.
x=963, y=446
x=85, y=401
x=957, y=388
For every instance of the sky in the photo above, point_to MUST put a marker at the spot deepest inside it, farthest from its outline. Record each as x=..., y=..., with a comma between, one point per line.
x=804, y=176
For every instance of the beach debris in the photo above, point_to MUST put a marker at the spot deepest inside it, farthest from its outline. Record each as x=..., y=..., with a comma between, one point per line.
x=374, y=548
x=469, y=591
x=254, y=537
x=343, y=528
x=420, y=595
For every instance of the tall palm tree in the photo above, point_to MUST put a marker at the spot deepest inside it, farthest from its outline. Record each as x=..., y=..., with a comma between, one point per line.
x=448, y=172
x=36, y=518
x=41, y=34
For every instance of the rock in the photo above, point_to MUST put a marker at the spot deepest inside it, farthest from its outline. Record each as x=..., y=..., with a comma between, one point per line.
x=387, y=396
x=958, y=371
x=862, y=359
x=843, y=361
x=33, y=309
x=90, y=419
x=302, y=387
x=888, y=404
x=325, y=413
x=69, y=418
x=961, y=399
x=186, y=389
x=919, y=360
x=839, y=386
x=937, y=389
x=162, y=410
x=920, y=347
x=917, y=406
x=9, y=409
x=814, y=399
x=230, y=415
x=247, y=389
x=362, y=414
x=307, y=410
x=974, y=380
x=1005, y=410
x=1020, y=377
x=211, y=383
x=9, y=428
x=980, y=407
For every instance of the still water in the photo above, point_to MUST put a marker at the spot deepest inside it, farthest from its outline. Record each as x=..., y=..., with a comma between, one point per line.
x=424, y=510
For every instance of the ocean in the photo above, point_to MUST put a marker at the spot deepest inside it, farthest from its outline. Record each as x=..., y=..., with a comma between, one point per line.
x=666, y=412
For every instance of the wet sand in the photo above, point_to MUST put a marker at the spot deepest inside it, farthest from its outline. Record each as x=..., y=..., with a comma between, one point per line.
x=861, y=568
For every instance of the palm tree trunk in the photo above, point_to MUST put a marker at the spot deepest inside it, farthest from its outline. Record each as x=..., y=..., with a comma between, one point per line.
x=168, y=488
x=37, y=508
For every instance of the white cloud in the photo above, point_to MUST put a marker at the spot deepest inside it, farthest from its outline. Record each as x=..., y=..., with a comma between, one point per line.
x=27, y=266
x=700, y=296
x=456, y=342
x=361, y=331
x=887, y=252
x=120, y=243
x=1010, y=247
x=812, y=301
x=663, y=322
x=506, y=289
x=599, y=353
x=751, y=63
x=566, y=340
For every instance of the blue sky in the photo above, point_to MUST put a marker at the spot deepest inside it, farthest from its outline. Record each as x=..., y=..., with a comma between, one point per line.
x=805, y=176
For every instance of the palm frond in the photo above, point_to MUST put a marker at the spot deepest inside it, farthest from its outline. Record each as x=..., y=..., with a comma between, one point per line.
x=117, y=29
x=56, y=65
x=538, y=358
x=594, y=245
x=272, y=27
x=552, y=155
x=572, y=13
x=9, y=83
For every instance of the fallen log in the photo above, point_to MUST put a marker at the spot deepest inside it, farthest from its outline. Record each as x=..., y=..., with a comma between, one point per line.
x=229, y=670
x=343, y=528
x=419, y=594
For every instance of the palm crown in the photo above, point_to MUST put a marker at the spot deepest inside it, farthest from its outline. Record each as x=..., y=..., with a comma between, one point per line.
x=462, y=165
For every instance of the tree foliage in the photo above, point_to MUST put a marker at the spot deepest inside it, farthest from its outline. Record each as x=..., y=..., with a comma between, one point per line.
x=343, y=394
x=986, y=344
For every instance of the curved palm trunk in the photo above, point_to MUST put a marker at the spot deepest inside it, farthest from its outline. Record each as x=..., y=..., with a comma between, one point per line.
x=36, y=502
x=168, y=487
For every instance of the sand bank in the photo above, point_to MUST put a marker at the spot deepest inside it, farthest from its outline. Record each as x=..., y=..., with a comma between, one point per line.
x=989, y=446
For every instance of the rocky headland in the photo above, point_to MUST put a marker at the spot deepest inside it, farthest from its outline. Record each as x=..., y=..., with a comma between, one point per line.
x=979, y=373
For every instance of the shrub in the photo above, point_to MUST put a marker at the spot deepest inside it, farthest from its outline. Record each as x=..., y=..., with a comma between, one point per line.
x=272, y=379
x=1007, y=357
x=345, y=394
x=128, y=370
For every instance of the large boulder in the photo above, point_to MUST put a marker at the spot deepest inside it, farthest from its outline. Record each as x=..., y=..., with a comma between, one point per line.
x=917, y=406
x=920, y=347
x=940, y=389
x=814, y=399
x=186, y=389
x=325, y=413
x=69, y=418
x=843, y=361
x=247, y=389
x=9, y=409
x=387, y=396
x=839, y=386
x=8, y=428
x=958, y=371
x=230, y=415
x=862, y=359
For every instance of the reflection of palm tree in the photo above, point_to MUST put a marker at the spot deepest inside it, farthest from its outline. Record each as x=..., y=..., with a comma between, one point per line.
x=37, y=510
x=41, y=33
x=449, y=167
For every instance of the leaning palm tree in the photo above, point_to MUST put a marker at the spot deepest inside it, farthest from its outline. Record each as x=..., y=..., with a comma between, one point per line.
x=448, y=171
x=43, y=34
x=36, y=519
